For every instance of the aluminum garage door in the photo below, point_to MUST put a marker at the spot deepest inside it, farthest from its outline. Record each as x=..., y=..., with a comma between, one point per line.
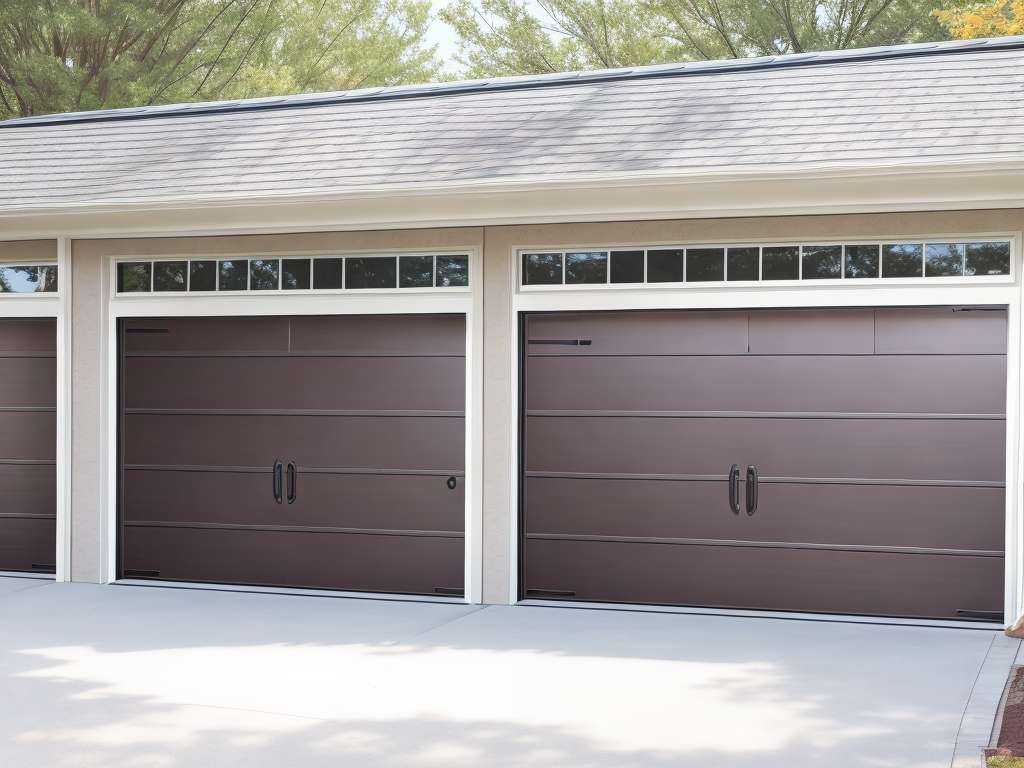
x=877, y=437
x=319, y=452
x=28, y=445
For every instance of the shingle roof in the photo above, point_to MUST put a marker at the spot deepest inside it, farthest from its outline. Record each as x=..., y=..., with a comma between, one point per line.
x=925, y=104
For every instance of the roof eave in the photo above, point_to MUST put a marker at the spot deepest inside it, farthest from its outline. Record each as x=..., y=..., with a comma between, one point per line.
x=762, y=192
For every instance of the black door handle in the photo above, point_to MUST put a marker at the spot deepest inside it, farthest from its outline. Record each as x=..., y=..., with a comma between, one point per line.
x=293, y=477
x=752, y=481
x=734, y=488
x=278, y=482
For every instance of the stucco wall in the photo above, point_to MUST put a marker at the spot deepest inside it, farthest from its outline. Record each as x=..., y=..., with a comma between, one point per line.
x=28, y=250
x=498, y=286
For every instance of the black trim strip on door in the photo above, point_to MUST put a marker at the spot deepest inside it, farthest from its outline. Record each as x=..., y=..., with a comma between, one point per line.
x=294, y=529
x=290, y=412
x=908, y=416
x=886, y=549
x=310, y=470
x=768, y=479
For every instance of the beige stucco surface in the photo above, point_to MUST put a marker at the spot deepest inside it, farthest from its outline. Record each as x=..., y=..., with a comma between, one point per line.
x=28, y=250
x=498, y=245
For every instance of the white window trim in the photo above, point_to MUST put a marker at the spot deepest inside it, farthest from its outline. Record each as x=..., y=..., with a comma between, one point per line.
x=282, y=292
x=801, y=243
x=56, y=305
x=887, y=292
x=357, y=302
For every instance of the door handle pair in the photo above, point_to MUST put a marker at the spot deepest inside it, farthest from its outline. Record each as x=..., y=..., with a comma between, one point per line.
x=734, y=489
x=278, y=481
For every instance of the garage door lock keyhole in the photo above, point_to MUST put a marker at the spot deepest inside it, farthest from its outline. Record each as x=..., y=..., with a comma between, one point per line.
x=452, y=482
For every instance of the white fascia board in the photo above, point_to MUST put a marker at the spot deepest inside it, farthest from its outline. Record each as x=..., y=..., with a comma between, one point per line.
x=594, y=198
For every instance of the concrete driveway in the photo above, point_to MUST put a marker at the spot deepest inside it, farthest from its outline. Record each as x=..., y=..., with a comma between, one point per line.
x=140, y=676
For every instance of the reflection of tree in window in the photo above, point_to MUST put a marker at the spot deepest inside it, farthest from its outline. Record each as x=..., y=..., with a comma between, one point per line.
x=988, y=258
x=25, y=278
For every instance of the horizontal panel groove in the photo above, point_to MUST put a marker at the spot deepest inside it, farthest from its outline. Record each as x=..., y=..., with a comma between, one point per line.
x=230, y=354
x=291, y=412
x=628, y=356
x=28, y=409
x=768, y=479
x=293, y=529
x=766, y=544
x=25, y=516
x=40, y=355
x=768, y=415
x=310, y=470
x=30, y=462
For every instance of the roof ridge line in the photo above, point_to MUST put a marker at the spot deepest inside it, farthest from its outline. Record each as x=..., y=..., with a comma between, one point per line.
x=518, y=83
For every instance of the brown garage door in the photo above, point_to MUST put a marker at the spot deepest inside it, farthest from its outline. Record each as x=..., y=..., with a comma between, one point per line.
x=28, y=444
x=877, y=438
x=306, y=451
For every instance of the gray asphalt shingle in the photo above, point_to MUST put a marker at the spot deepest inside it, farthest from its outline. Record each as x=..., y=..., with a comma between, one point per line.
x=948, y=103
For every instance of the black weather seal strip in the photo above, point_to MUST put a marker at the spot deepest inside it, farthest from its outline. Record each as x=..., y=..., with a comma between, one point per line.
x=44, y=568
x=454, y=591
x=562, y=342
x=147, y=330
x=139, y=573
x=550, y=593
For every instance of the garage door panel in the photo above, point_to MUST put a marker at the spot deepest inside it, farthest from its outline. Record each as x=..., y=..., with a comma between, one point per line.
x=176, y=335
x=896, y=516
x=28, y=435
x=638, y=333
x=825, y=448
x=28, y=489
x=812, y=332
x=393, y=502
x=28, y=544
x=935, y=586
x=940, y=330
x=407, y=564
x=320, y=383
x=28, y=337
x=28, y=382
x=853, y=384
x=379, y=442
x=380, y=335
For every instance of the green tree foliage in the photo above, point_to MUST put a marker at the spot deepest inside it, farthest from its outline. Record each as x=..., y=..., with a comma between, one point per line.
x=501, y=37
x=68, y=55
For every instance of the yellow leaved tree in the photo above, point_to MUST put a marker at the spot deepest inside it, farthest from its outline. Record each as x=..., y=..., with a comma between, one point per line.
x=997, y=18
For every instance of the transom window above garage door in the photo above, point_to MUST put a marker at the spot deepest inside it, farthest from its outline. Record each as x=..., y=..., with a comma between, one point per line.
x=28, y=279
x=416, y=271
x=774, y=263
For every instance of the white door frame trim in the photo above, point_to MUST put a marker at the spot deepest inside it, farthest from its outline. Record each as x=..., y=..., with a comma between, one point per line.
x=58, y=307
x=841, y=294
x=442, y=301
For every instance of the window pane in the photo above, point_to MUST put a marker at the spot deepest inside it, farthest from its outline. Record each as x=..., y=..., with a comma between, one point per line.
x=705, y=265
x=743, y=264
x=202, y=276
x=28, y=278
x=627, y=266
x=586, y=267
x=295, y=274
x=234, y=275
x=542, y=269
x=416, y=272
x=452, y=271
x=133, y=277
x=861, y=261
x=327, y=273
x=371, y=272
x=169, y=275
x=988, y=259
x=902, y=260
x=780, y=262
x=943, y=260
x=665, y=266
x=822, y=262
x=264, y=274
